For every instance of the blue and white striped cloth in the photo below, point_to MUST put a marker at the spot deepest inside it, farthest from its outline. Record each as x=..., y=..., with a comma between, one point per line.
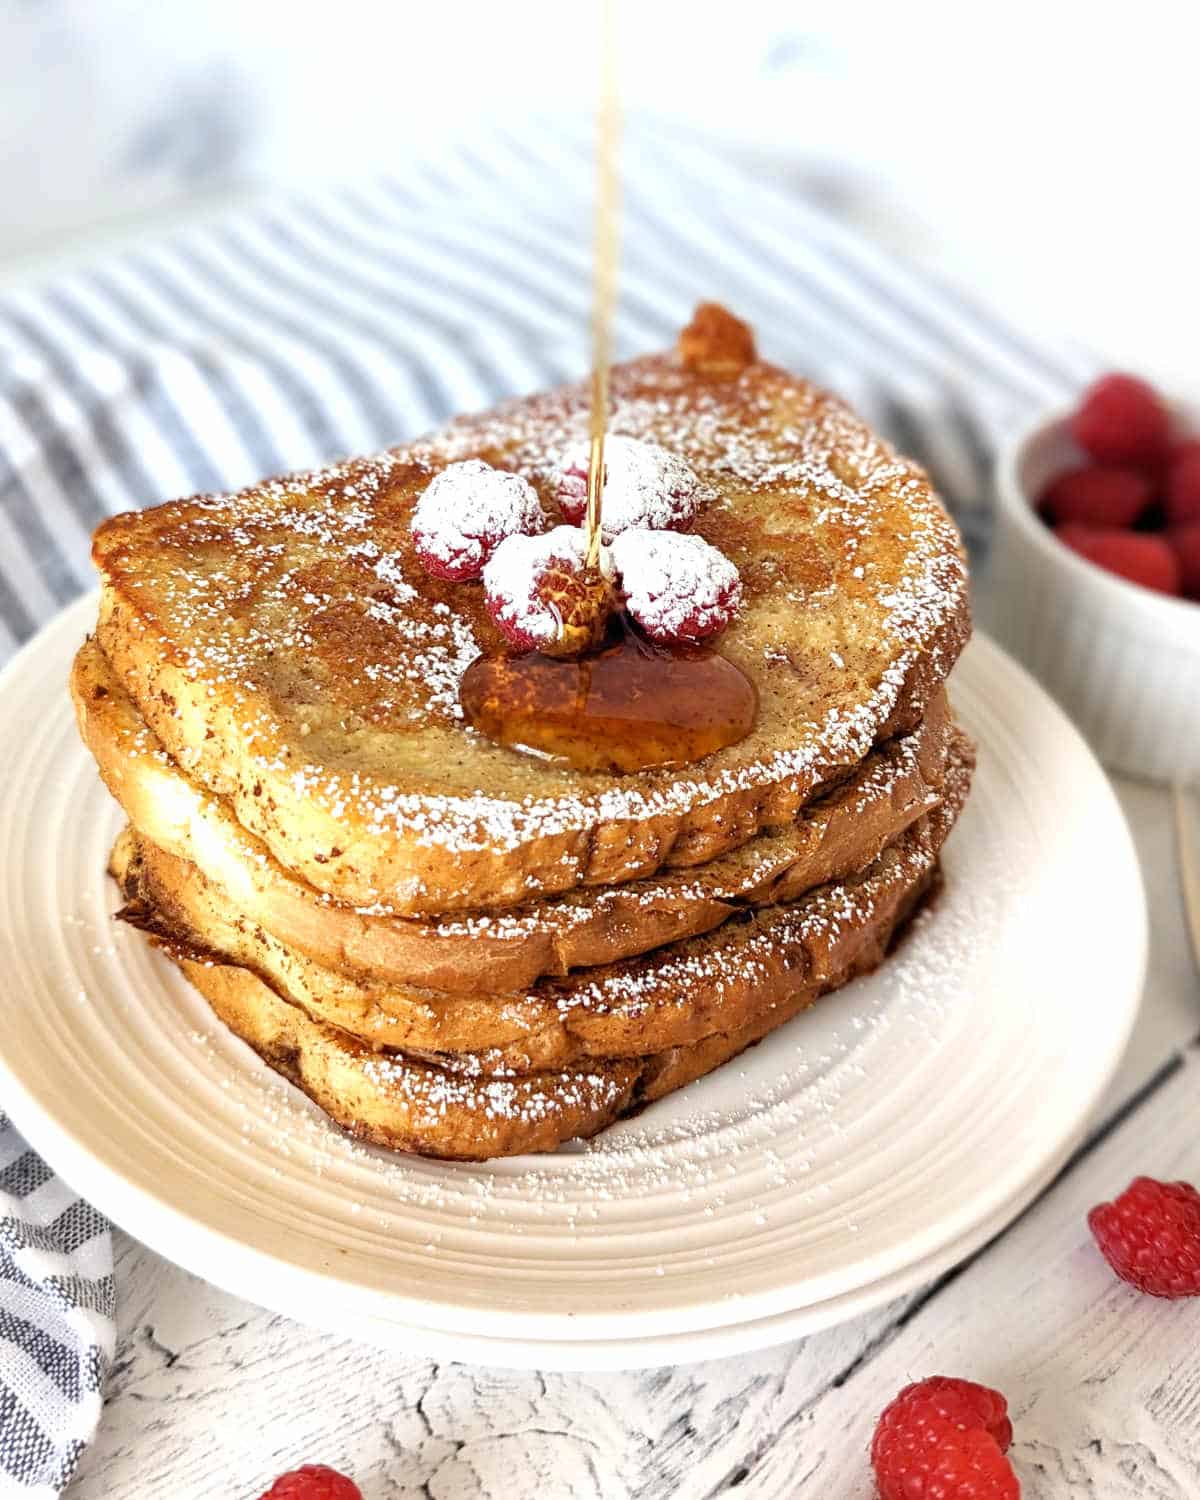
x=56, y=1321
x=350, y=319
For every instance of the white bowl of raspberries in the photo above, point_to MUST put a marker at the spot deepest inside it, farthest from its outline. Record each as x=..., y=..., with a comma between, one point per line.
x=1094, y=580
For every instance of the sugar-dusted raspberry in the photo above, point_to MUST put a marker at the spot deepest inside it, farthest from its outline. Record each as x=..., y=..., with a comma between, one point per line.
x=1122, y=420
x=1133, y=555
x=645, y=487
x=466, y=511
x=1181, y=490
x=313, y=1482
x=1185, y=543
x=1150, y=1236
x=677, y=587
x=944, y=1438
x=1098, y=496
x=543, y=597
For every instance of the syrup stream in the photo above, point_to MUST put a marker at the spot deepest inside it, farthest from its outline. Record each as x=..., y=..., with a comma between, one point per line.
x=627, y=705
x=608, y=130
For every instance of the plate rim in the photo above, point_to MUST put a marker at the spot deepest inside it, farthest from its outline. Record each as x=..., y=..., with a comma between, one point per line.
x=724, y=1341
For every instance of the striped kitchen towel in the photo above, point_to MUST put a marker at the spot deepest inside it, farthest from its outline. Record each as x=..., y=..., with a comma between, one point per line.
x=351, y=318
x=56, y=1321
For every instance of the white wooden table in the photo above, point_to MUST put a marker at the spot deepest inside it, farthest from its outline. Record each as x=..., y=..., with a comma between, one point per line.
x=211, y=1396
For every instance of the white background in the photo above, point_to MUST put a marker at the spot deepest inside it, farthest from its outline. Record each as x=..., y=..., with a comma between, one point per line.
x=1041, y=154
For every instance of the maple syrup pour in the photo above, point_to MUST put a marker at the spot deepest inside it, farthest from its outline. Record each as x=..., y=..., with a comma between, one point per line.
x=604, y=268
x=628, y=706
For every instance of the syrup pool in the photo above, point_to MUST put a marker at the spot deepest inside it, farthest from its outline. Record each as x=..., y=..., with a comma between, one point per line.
x=628, y=706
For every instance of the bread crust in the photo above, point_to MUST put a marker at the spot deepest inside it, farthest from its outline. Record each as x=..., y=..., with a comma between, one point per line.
x=421, y=1106
x=834, y=836
x=675, y=996
x=291, y=655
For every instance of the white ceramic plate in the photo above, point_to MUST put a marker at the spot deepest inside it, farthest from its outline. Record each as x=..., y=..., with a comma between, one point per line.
x=850, y=1155
x=685, y=1348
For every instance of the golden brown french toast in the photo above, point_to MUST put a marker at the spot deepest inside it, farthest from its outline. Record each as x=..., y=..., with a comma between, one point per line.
x=443, y=1110
x=674, y=996
x=293, y=656
x=835, y=835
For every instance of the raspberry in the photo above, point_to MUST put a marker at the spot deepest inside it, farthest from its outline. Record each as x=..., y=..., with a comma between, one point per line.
x=1150, y=1236
x=1185, y=543
x=1122, y=420
x=944, y=1439
x=542, y=597
x=465, y=512
x=313, y=1482
x=644, y=487
x=1098, y=496
x=1182, y=488
x=678, y=588
x=1136, y=556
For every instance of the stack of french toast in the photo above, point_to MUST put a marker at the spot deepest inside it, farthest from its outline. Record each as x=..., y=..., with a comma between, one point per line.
x=468, y=947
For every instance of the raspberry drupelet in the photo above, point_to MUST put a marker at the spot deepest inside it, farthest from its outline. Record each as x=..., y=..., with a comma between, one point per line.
x=543, y=597
x=944, y=1438
x=1135, y=556
x=1185, y=543
x=1182, y=489
x=645, y=487
x=313, y=1482
x=1150, y=1236
x=1122, y=420
x=464, y=514
x=678, y=588
x=1100, y=496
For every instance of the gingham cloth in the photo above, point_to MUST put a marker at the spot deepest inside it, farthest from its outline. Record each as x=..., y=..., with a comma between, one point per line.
x=350, y=319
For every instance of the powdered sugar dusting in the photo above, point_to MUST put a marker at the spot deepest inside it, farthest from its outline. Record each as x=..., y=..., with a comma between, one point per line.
x=645, y=486
x=811, y=945
x=718, y=981
x=754, y=1147
x=301, y=601
x=748, y=867
x=466, y=511
x=677, y=587
x=745, y=1163
x=511, y=578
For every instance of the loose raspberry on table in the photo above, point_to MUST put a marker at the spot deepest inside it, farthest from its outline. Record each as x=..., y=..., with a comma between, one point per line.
x=645, y=486
x=542, y=596
x=944, y=1439
x=313, y=1482
x=1098, y=496
x=1136, y=556
x=1122, y=420
x=1150, y=1236
x=1181, y=491
x=1185, y=543
x=466, y=511
x=677, y=587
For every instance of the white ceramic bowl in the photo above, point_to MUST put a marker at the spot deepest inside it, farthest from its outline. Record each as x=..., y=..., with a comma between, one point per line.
x=1122, y=660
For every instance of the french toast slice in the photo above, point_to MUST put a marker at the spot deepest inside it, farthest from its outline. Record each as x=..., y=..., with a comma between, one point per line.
x=441, y=1109
x=674, y=996
x=835, y=835
x=289, y=651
